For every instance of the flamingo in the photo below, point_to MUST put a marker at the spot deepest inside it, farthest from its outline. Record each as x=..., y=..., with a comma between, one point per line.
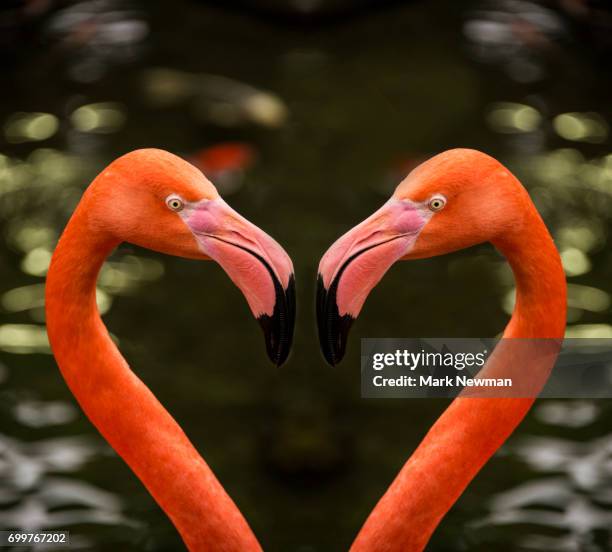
x=454, y=200
x=156, y=200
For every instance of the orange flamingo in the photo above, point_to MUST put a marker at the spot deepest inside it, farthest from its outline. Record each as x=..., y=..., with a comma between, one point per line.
x=153, y=199
x=455, y=200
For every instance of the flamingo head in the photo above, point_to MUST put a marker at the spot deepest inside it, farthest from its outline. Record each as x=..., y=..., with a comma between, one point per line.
x=156, y=200
x=454, y=200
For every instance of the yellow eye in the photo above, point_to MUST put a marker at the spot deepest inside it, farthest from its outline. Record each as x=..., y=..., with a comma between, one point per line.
x=174, y=203
x=437, y=203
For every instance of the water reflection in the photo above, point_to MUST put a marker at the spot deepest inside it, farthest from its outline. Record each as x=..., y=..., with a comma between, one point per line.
x=572, y=498
x=516, y=34
x=52, y=501
x=41, y=414
x=551, y=504
x=567, y=414
x=97, y=34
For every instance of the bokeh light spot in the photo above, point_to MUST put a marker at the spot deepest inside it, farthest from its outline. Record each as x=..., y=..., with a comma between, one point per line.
x=30, y=127
x=581, y=127
x=575, y=262
x=103, y=118
x=507, y=117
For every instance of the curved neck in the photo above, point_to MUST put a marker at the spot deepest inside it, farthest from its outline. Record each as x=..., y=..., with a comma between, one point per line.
x=123, y=409
x=541, y=291
x=469, y=432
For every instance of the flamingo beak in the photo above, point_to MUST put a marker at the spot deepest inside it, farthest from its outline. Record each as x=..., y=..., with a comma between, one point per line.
x=256, y=263
x=355, y=263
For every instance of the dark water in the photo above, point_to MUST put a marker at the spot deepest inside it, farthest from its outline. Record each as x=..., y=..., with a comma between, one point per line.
x=335, y=113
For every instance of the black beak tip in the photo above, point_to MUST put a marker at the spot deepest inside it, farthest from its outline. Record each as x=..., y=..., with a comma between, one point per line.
x=278, y=327
x=333, y=328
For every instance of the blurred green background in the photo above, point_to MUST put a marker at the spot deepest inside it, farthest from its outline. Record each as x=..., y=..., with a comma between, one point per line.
x=305, y=115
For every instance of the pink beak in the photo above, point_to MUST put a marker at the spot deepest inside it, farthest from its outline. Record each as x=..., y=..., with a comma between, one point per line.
x=355, y=263
x=256, y=263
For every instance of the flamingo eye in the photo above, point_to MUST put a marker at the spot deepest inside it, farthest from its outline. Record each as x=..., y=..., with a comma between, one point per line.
x=174, y=203
x=437, y=203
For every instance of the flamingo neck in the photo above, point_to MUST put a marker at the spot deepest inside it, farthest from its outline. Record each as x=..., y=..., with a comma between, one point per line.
x=541, y=291
x=469, y=432
x=123, y=409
